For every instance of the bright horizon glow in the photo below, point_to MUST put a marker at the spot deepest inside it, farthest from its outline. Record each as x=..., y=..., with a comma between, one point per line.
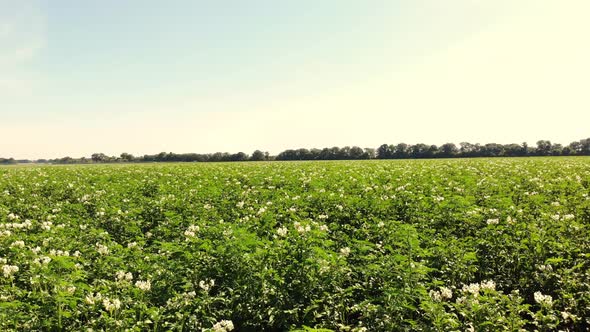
x=200, y=76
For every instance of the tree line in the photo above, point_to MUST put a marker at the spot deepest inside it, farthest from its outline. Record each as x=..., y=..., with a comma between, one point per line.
x=447, y=150
x=385, y=151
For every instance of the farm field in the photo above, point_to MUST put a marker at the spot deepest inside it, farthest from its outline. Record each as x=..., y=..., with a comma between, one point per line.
x=406, y=245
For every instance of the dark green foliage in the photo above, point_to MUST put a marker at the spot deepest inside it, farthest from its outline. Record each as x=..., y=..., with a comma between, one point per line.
x=428, y=245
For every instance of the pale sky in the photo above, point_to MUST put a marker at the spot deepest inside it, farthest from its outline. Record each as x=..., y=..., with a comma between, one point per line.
x=139, y=76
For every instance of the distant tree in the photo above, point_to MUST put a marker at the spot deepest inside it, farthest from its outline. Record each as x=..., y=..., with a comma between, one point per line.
x=468, y=150
x=160, y=156
x=98, y=157
x=567, y=151
x=219, y=156
x=492, y=150
x=324, y=154
x=465, y=148
x=303, y=154
x=370, y=153
x=431, y=151
x=314, y=154
x=127, y=157
x=286, y=155
x=585, y=147
x=240, y=156
x=543, y=148
x=448, y=150
x=258, y=156
x=400, y=151
x=513, y=150
x=384, y=152
x=356, y=153
x=343, y=153
x=556, y=150
x=7, y=161
x=420, y=150
x=575, y=148
x=334, y=153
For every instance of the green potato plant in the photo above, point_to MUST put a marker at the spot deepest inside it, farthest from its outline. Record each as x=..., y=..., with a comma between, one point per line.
x=405, y=245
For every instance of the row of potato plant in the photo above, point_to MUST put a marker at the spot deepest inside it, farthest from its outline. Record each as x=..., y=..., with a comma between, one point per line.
x=416, y=245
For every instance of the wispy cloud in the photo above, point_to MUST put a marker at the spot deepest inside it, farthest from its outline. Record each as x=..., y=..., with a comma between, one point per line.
x=22, y=31
x=22, y=37
x=522, y=75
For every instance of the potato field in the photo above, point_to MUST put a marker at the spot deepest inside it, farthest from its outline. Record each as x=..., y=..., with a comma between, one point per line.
x=407, y=245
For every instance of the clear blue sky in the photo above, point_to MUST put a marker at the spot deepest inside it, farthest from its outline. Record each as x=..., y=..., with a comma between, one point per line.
x=200, y=76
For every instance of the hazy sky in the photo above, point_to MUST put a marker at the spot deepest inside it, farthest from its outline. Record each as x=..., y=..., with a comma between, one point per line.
x=141, y=76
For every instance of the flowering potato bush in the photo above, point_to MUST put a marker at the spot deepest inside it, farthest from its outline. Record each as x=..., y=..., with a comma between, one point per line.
x=416, y=245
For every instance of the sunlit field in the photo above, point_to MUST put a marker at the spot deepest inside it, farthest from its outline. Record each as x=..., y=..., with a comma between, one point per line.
x=420, y=245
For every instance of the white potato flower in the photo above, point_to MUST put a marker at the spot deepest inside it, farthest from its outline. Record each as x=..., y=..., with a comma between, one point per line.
x=18, y=244
x=9, y=270
x=493, y=221
x=93, y=298
x=102, y=249
x=545, y=300
x=300, y=228
x=345, y=251
x=471, y=288
x=123, y=276
x=71, y=289
x=446, y=293
x=143, y=285
x=206, y=285
x=111, y=304
x=191, y=231
x=282, y=231
x=223, y=326
x=488, y=284
x=435, y=295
